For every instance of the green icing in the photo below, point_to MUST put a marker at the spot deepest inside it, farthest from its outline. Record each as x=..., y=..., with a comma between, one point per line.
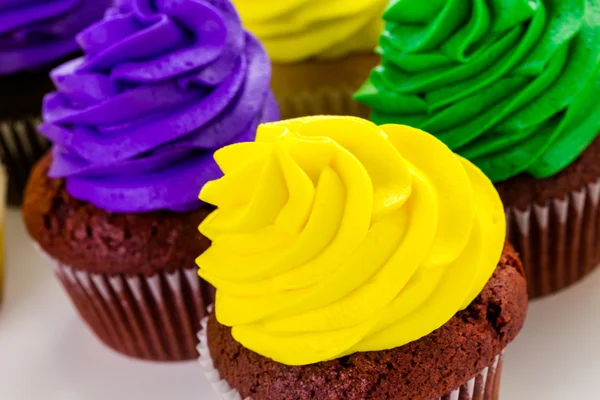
x=509, y=84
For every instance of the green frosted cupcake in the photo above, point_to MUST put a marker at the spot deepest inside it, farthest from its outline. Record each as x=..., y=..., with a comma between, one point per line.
x=512, y=86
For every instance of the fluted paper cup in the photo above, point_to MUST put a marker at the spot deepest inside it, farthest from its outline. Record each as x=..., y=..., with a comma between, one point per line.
x=559, y=242
x=325, y=101
x=153, y=318
x=21, y=146
x=322, y=87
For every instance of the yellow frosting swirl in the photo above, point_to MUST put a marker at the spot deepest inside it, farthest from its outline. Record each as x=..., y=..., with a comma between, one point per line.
x=294, y=30
x=334, y=236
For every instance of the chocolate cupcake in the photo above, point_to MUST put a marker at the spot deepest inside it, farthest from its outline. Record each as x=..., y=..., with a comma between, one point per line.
x=511, y=86
x=134, y=124
x=372, y=266
x=414, y=371
x=34, y=36
x=321, y=51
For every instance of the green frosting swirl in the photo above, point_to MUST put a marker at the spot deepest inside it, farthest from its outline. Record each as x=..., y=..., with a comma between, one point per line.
x=511, y=85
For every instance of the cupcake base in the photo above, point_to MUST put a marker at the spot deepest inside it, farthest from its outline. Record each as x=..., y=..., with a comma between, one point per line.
x=451, y=361
x=554, y=223
x=483, y=386
x=322, y=87
x=147, y=317
x=132, y=276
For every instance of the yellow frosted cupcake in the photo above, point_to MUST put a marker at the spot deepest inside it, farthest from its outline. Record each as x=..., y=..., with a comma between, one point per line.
x=321, y=50
x=370, y=253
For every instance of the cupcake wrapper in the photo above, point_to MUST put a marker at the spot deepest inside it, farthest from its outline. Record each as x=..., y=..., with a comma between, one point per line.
x=20, y=148
x=558, y=242
x=322, y=87
x=147, y=317
x=324, y=102
x=484, y=386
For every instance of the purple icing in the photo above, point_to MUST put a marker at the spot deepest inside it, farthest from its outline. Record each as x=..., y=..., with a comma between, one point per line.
x=36, y=33
x=162, y=85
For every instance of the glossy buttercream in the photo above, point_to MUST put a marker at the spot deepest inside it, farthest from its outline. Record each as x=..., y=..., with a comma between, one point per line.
x=36, y=33
x=162, y=85
x=295, y=30
x=334, y=236
x=509, y=84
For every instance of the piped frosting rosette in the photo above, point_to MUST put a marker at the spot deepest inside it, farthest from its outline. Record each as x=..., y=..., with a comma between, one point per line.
x=162, y=84
x=295, y=30
x=334, y=236
x=34, y=33
x=509, y=84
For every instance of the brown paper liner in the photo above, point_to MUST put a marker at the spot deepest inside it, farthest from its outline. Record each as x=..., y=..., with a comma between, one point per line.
x=153, y=318
x=559, y=242
x=21, y=146
x=322, y=87
x=483, y=386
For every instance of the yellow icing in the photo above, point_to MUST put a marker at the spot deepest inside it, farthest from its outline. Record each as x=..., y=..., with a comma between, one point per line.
x=3, y=185
x=294, y=30
x=333, y=236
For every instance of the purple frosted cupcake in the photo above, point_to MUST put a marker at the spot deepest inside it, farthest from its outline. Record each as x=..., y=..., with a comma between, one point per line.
x=134, y=124
x=35, y=35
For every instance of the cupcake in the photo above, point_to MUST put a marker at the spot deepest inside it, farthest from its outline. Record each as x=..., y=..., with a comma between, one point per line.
x=35, y=35
x=356, y=262
x=512, y=87
x=321, y=50
x=134, y=124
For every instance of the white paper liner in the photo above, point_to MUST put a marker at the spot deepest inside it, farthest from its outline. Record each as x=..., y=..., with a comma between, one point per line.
x=558, y=242
x=147, y=317
x=484, y=386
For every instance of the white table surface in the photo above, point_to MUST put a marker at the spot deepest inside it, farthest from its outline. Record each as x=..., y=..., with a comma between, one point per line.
x=47, y=353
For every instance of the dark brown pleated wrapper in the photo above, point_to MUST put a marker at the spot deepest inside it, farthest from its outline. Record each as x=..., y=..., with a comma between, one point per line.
x=153, y=318
x=559, y=242
x=484, y=386
x=21, y=146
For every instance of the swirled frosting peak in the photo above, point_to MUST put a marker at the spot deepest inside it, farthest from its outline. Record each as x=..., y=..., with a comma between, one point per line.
x=295, y=30
x=334, y=236
x=509, y=84
x=162, y=85
x=36, y=33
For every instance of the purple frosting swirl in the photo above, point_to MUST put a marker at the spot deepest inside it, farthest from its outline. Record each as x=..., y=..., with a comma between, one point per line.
x=36, y=33
x=162, y=85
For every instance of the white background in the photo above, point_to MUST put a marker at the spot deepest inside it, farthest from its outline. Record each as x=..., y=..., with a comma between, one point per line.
x=47, y=353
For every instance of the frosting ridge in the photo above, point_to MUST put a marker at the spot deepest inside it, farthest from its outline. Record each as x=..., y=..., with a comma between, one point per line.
x=35, y=33
x=161, y=86
x=507, y=84
x=296, y=30
x=333, y=236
